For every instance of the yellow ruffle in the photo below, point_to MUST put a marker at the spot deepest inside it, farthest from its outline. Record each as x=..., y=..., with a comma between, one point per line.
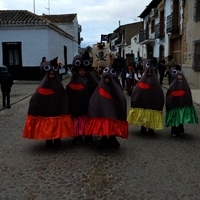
x=146, y=117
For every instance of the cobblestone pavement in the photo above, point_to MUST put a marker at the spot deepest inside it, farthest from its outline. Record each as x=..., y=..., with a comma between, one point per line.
x=145, y=167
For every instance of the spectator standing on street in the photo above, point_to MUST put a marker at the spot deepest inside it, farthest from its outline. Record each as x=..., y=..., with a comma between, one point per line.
x=161, y=69
x=147, y=101
x=137, y=75
x=129, y=80
x=169, y=65
x=139, y=63
x=179, y=104
x=79, y=89
x=154, y=63
x=6, y=82
x=119, y=64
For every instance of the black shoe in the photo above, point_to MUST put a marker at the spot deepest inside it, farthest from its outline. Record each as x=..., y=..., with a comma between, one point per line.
x=151, y=131
x=174, y=131
x=181, y=129
x=57, y=142
x=77, y=140
x=143, y=130
x=8, y=106
x=112, y=142
x=174, y=134
x=88, y=139
x=103, y=142
x=49, y=143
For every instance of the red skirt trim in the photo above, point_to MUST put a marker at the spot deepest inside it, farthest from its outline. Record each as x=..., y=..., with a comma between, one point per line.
x=43, y=128
x=106, y=127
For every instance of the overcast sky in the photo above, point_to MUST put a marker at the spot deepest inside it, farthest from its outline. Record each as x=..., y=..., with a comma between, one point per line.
x=95, y=16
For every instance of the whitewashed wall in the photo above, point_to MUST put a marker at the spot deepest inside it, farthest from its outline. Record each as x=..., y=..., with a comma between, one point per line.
x=38, y=42
x=56, y=43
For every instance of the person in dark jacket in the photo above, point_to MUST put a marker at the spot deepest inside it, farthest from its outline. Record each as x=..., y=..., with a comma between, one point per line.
x=119, y=64
x=6, y=82
x=161, y=69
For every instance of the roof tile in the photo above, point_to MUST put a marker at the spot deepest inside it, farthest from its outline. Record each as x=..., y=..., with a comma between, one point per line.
x=20, y=17
x=63, y=18
x=9, y=17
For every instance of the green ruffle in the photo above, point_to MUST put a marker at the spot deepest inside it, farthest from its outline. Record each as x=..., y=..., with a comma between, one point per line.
x=184, y=115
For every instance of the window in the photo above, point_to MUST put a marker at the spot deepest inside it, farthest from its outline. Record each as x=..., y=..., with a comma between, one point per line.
x=196, y=11
x=13, y=57
x=196, y=63
x=152, y=26
x=12, y=53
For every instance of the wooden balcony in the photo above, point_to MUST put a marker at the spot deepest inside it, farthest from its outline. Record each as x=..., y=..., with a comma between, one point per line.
x=143, y=35
x=172, y=23
x=159, y=30
x=118, y=41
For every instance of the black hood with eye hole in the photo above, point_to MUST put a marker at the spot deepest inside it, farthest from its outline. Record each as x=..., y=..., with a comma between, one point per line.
x=175, y=86
x=148, y=93
x=82, y=61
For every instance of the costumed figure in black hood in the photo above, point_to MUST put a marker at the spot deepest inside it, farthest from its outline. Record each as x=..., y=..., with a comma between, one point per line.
x=48, y=113
x=179, y=103
x=108, y=110
x=147, y=101
x=80, y=89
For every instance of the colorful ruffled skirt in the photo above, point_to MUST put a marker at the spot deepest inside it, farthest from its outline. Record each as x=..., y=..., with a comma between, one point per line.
x=45, y=128
x=146, y=117
x=106, y=127
x=79, y=124
x=184, y=115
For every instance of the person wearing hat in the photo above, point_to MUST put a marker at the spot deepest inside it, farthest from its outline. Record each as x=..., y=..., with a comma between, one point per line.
x=6, y=82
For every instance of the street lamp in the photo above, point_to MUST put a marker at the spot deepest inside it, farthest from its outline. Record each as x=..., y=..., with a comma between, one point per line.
x=135, y=39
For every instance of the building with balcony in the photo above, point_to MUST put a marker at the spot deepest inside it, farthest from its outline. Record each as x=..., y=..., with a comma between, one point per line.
x=190, y=55
x=170, y=27
x=120, y=39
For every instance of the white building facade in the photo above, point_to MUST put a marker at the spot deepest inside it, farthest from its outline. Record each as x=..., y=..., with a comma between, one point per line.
x=25, y=42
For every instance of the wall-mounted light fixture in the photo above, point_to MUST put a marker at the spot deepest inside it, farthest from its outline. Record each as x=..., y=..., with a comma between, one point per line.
x=135, y=39
x=157, y=41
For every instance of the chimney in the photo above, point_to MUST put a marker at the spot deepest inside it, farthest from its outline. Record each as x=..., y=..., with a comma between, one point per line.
x=119, y=23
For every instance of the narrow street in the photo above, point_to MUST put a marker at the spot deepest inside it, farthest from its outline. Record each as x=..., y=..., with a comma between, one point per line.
x=145, y=167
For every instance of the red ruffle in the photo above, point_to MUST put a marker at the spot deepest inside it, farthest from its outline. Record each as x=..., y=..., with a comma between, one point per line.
x=48, y=127
x=106, y=127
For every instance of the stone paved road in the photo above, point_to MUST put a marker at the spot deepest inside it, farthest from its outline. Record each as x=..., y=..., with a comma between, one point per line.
x=144, y=167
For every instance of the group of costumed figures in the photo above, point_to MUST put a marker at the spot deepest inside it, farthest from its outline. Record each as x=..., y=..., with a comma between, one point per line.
x=86, y=108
